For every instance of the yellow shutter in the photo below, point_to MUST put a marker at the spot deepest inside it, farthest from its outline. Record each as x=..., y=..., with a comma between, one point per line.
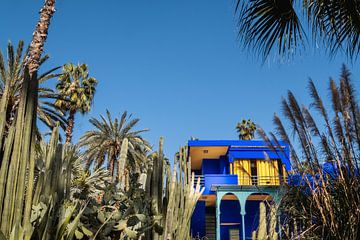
x=284, y=173
x=268, y=172
x=242, y=169
x=260, y=172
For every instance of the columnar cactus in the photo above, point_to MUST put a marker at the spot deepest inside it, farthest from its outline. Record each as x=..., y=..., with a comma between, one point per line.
x=264, y=231
x=122, y=162
x=18, y=150
x=173, y=196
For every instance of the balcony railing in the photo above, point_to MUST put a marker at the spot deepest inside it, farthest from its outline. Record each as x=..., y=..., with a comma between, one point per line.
x=202, y=180
x=261, y=180
x=208, y=180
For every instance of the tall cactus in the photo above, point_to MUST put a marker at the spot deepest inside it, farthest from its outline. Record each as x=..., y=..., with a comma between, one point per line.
x=18, y=150
x=173, y=195
x=264, y=231
x=122, y=162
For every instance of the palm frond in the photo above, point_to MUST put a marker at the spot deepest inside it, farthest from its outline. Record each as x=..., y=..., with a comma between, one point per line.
x=264, y=24
x=102, y=145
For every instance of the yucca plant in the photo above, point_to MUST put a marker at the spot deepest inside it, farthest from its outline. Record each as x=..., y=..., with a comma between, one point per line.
x=323, y=197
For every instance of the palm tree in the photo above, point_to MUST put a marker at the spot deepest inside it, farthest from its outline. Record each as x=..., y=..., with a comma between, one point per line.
x=104, y=143
x=246, y=129
x=266, y=24
x=25, y=130
x=77, y=91
x=12, y=72
x=40, y=34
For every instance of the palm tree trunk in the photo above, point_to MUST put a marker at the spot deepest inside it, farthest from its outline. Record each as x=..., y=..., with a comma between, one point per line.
x=70, y=126
x=32, y=63
x=39, y=36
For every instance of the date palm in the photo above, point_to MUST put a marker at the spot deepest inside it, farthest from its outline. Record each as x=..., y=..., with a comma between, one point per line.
x=104, y=143
x=12, y=72
x=268, y=24
x=77, y=91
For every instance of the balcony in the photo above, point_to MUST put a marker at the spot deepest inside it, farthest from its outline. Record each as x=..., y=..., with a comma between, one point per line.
x=202, y=180
x=208, y=180
x=218, y=179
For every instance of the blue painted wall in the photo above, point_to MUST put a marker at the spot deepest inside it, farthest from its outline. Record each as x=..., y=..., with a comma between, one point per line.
x=210, y=166
x=229, y=213
x=214, y=179
x=251, y=149
x=224, y=165
x=217, y=172
x=198, y=220
x=251, y=217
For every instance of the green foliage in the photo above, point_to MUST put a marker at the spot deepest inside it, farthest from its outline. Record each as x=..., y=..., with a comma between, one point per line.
x=325, y=207
x=46, y=190
x=77, y=90
x=104, y=143
x=77, y=87
x=246, y=129
x=177, y=203
x=12, y=73
x=265, y=25
x=119, y=213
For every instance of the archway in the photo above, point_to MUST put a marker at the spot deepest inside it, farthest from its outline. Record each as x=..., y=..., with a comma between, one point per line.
x=230, y=217
x=252, y=211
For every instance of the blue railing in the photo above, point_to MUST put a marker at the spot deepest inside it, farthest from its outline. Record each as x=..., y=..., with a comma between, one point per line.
x=202, y=180
x=208, y=180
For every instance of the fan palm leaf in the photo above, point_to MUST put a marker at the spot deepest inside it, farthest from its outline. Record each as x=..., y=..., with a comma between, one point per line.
x=268, y=24
x=76, y=89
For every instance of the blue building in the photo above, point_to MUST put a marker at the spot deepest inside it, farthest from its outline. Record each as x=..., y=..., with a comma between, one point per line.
x=237, y=176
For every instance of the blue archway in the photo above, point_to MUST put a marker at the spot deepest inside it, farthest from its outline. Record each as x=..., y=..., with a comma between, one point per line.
x=252, y=209
x=230, y=217
x=242, y=195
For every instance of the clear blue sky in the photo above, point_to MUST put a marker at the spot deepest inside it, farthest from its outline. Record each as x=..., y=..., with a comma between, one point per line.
x=174, y=64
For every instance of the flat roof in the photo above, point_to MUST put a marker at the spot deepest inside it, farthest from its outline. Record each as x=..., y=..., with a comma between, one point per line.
x=247, y=149
x=230, y=143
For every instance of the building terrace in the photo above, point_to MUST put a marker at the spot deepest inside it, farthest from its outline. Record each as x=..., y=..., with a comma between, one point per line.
x=237, y=176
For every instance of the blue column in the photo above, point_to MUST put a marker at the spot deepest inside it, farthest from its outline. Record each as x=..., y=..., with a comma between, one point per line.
x=218, y=202
x=242, y=199
x=243, y=224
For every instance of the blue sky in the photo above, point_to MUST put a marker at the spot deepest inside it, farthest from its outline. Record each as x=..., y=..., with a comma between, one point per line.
x=177, y=65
